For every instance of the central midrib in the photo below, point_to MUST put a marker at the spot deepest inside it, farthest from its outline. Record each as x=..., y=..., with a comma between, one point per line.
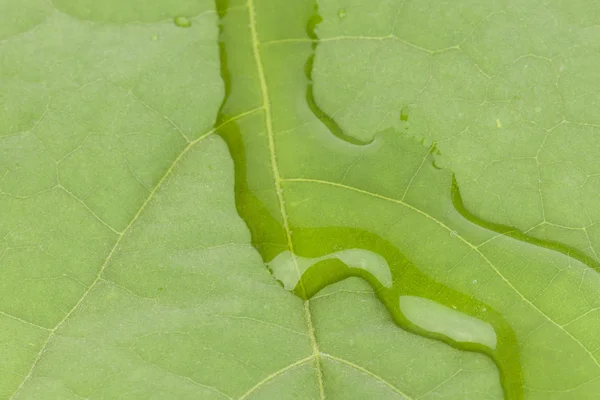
x=279, y=189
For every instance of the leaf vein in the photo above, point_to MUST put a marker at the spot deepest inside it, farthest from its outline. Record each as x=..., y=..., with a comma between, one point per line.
x=367, y=372
x=465, y=241
x=98, y=277
x=274, y=375
x=277, y=181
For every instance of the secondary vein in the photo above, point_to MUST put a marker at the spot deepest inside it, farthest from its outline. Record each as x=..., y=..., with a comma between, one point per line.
x=121, y=235
x=465, y=241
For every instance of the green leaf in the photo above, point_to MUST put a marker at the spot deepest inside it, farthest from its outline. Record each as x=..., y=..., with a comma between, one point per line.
x=505, y=89
x=264, y=214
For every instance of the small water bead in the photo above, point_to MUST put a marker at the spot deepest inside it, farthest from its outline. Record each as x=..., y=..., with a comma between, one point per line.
x=182, y=22
x=342, y=13
x=474, y=281
x=404, y=113
x=453, y=233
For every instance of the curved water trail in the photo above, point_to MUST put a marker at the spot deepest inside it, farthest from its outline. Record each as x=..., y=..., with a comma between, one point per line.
x=284, y=269
x=342, y=252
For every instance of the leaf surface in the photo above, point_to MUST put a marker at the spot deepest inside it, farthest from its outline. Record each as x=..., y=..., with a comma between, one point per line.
x=506, y=89
x=152, y=170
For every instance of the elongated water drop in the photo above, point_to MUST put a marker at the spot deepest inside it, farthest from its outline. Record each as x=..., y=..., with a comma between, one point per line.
x=342, y=13
x=450, y=322
x=289, y=269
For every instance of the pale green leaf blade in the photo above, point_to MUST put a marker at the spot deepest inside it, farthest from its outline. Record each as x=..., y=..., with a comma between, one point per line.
x=128, y=272
x=506, y=88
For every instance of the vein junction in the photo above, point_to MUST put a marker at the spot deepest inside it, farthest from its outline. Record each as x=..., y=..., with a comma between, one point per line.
x=120, y=236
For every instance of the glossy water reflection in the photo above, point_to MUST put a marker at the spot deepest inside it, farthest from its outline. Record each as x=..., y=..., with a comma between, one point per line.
x=289, y=268
x=458, y=326
x=381, y=210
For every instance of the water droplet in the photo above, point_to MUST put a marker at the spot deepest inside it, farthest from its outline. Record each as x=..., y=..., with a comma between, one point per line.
x=404, y=113
x=289, y=269
x=453, y=233
x=154, y=37
x=436, y=317
x=182, y=22
x=474, y=281
x=342, y=13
